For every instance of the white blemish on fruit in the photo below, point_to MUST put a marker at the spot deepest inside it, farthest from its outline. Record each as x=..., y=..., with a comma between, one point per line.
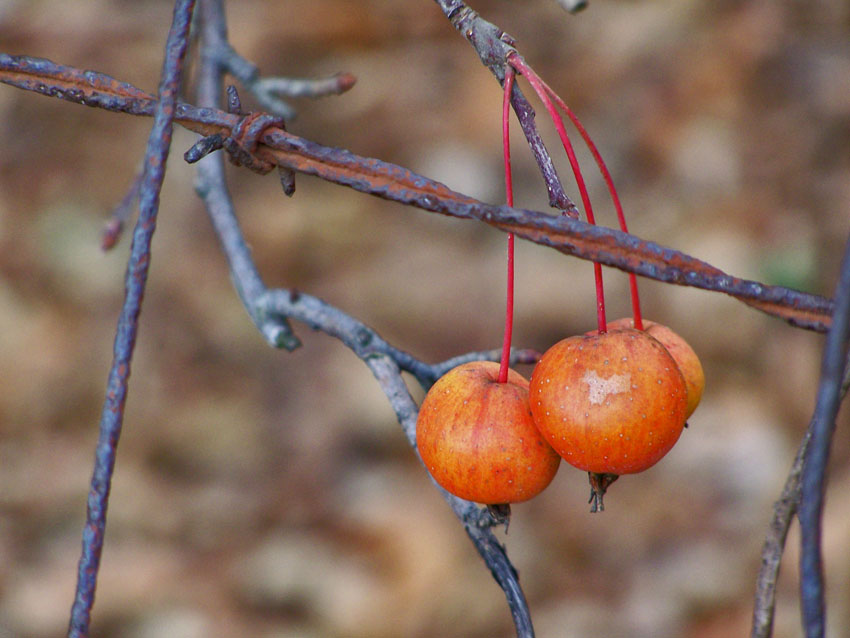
x=599, y=388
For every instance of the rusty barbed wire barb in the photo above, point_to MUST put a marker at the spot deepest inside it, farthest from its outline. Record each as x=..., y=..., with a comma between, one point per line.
x=606, y=246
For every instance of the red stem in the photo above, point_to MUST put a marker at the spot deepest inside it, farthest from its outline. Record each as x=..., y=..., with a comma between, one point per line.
x=509, y=197
x=606, y=175
x=540, y=88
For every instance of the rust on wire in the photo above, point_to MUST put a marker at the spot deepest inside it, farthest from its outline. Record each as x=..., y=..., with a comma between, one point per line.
x=91, y=88
x=573, y=237
x=570, y=236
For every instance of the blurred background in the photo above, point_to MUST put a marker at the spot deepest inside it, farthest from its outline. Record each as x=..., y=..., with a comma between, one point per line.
x=260, y=493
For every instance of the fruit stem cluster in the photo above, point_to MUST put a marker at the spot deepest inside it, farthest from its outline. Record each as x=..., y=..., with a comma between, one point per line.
x=550, y=100
x=509, y=199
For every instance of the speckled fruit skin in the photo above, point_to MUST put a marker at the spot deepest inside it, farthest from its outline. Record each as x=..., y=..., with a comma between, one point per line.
x=685, y=357
x=477, y=438
x=612, y=403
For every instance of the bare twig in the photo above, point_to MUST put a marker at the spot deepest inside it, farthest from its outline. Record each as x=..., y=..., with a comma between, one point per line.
x=112, y=416
x=493, y=47
x=212, y=188
x=813, y=482
x=774, y=545
x=120, y=214
x=558, y=198
x=477, y=522
x=269, y=90
x=336, y=84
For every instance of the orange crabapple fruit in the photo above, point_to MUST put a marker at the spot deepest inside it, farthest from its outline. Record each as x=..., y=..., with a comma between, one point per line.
x=477, y=439
x=683, y=354
x=611, y=403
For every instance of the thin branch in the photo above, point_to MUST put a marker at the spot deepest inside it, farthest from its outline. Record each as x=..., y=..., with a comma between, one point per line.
x=212, y=188
x=269, y=90
x=336, y=84
x=606, y=246
x=113, y=228
x=112, y=416
x=380, y=357
x=558, y=197
x=774, y=544
x=477, y=522
x=816, y=458
x=493, y=47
